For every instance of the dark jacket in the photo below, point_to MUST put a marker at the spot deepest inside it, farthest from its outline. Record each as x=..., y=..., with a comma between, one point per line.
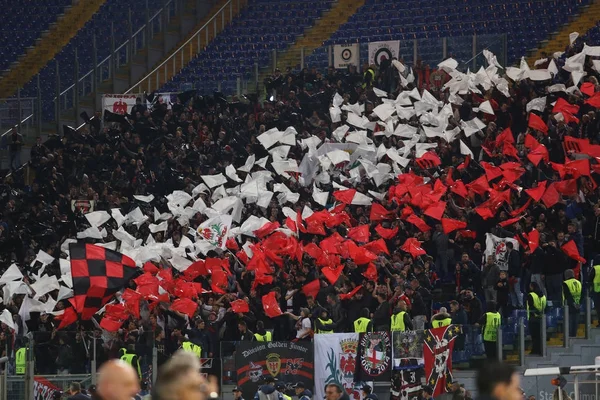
x=460, y=317
x=338, y=315
x=78, y=396
x=514, y=264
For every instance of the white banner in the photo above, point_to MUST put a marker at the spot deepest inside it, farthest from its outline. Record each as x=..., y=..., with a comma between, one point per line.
x=379, y=51
x=43, y=389
x=495, y=246
x=118, y=103
x=345, y=55
x=335, y=362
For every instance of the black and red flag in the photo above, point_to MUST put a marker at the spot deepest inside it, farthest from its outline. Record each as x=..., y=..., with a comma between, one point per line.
x=437, y=355
x=98, y=273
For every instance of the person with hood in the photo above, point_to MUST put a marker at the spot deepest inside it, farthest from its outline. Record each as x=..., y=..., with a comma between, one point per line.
x=302, y=392
x=536, y=304
x=441, y=319
x=364, y=323
x=324, y=324
x=268, y=391
x=262, y=335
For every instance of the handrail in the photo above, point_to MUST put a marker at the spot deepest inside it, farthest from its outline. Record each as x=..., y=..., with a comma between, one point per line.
x=25, y=120
x=181, y=48
x=141, y=29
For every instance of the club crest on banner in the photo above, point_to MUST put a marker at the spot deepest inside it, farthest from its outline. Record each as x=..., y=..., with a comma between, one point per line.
x=375, y=359
x=273, y=364
x=381, y=51
x=293, y=365
x=347, y=363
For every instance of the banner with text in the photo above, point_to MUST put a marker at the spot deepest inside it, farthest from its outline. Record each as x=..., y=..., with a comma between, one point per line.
x=118, y=103
x=43, y=389
x=345, y=55
x=288, y=362
x=379, y=51
x=374, y=357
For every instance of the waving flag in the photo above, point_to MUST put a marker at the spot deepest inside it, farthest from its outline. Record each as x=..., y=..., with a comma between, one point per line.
x=97, y=273
x=215, y=230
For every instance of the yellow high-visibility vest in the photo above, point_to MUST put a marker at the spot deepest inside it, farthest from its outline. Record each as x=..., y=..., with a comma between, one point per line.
x=21, y=361
x=492, y=322
x=325, y=322
x=193, y=348
x=539, y=304
x=575, y=288
x=438, y=323
x=360, y=325
x=128, y=358
x=267, y=337
x=398, y=322
x=597, y=278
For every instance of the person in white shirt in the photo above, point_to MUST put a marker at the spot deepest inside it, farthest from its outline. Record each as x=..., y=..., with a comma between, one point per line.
x=303, y=324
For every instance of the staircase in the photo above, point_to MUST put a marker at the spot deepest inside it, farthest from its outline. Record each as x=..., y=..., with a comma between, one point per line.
x=315, y=36
x=48, y=46
x=582, y=22
x=216, y=20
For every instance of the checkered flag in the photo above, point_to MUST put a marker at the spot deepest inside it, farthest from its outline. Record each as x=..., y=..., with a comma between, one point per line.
x=97, y=273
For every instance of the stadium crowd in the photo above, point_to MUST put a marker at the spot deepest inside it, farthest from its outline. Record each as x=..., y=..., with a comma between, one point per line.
x=160, y=148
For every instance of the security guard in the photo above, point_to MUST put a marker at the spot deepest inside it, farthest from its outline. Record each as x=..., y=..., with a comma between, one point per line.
x=400, y=319
x=572, y=298
x=128, y=355
x=21, y=360
x=594, y=281
x=536, y=305
x=281, y=388
x=363, y=324
x=491, y=320
x=261, y=334
x=368, y=76
x=324, y=324
x=441, y=319
x=192, y=348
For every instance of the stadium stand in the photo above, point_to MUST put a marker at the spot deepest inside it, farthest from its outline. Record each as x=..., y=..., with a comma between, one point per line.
x=32, y=17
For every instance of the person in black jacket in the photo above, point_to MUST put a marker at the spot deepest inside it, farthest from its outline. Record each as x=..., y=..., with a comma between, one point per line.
x=381, y=316
x=514, y=275
x=75, y=392
x=555, y=263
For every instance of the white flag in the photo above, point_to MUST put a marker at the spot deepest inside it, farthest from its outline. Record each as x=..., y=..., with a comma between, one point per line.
x=215, y=230
x=496, y=246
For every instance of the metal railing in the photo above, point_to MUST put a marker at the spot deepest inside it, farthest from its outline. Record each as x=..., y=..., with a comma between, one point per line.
x=186, y=52
x=120, y=55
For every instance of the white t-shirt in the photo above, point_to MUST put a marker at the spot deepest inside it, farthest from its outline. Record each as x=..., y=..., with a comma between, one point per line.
x=306, y=327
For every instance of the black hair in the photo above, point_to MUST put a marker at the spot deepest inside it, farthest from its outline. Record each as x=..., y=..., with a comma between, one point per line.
x=491, y=374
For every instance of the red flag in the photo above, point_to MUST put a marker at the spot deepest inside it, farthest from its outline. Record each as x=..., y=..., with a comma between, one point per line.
x=505, y=137
x=371, y=272
x=530, y=142
x=413, y=246
x=551, y=196
x=418, y=222
x=428, y=160
x=436, y=210
x=538, y=154
x=386, y=233
x=110, y=324
x=567, y=187
x=359, y=233
x=195, y=270
x=459, y=188
x=311, y=289
x=510, y=221
x=564, y=106
x=380, y=213
x=479, y=185
x=437, y=354
x=232, y=245
x=345, y=196
x=266, y=229
x=570, y=249
x=240, y=306
x=484, y=211
x=132, y=301
x=185, y=306
x=578, y=168
x=467, y=234
x=534, y=240
x=332, y=274
x=270, y=305
x=360, y=255
x=219, y=281
x=537, y=192
x=588, y=88
x=594, y=101
x=510, y=151
x=68, y=317
x=150, y=268
x=537, y=123
x=349, y=295
x=521, y=209
x=491, y=171
x=377, y=247
x=450, y=225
